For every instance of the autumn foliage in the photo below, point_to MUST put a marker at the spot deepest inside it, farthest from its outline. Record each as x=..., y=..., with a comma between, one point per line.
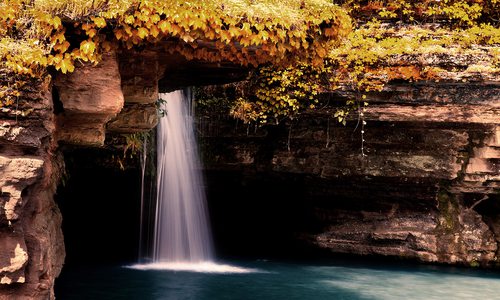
x=37, y=35
x=386, y=36
x=298, y=48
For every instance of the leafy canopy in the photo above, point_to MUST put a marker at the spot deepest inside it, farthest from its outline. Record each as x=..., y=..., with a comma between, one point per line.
x=390, y=41
x=38, y=34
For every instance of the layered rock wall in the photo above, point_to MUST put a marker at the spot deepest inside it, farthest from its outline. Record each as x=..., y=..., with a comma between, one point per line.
x=427, y=188
x=31, y=242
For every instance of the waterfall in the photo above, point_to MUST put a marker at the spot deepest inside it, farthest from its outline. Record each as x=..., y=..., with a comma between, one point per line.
x=182, y=231
x=182, y=238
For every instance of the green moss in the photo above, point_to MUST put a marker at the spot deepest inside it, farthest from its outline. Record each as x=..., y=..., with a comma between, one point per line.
x=474, y=264
x=448, y=211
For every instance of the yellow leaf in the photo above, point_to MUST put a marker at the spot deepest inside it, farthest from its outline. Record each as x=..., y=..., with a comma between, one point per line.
x=264, y=35
x=155, y=18
x=255, y=39
x=83, y=57
x=43, y=61
x=66, y=65
x=234, y=31
x=142, y=32
x=246, y=29
x=56, y=59
x=87, y=47
x=164, y=26
x=197, y=23
x=130, y=20
x=143, y=17
x=281, y=34
x=56, y=22
x=99, y=22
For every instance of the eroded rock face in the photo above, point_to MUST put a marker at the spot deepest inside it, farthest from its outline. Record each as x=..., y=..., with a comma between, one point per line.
x=428, y=188
x=31, y=243
x=89, y=97
x=14, y=258
x=135, y=118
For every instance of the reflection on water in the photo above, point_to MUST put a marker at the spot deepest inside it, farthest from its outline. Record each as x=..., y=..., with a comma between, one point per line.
x=263, y=280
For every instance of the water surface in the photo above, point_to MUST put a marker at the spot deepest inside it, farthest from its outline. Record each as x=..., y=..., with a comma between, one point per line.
x=263, y=280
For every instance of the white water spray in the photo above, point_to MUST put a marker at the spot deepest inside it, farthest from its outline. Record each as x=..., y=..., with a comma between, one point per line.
x=182, y=231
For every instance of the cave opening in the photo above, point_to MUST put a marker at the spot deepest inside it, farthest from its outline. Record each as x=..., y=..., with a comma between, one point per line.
x=253, y=216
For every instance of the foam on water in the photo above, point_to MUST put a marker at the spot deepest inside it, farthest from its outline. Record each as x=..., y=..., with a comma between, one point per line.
x=199, y=267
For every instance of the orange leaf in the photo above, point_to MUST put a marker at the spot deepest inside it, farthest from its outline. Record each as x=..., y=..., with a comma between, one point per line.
x=330, y=32
x=225, y=37
x=62, y=47
x=176, y=29
x=88, y=26
x=118, y=34
x=106, y=46
x=154, y=31
x=58, y=37
x=91, y=33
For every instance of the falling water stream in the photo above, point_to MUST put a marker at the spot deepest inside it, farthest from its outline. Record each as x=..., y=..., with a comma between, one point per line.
x=182, y=236
x=182, y=232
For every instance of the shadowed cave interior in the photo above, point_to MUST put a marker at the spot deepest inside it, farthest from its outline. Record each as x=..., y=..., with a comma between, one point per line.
x=252, y=217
